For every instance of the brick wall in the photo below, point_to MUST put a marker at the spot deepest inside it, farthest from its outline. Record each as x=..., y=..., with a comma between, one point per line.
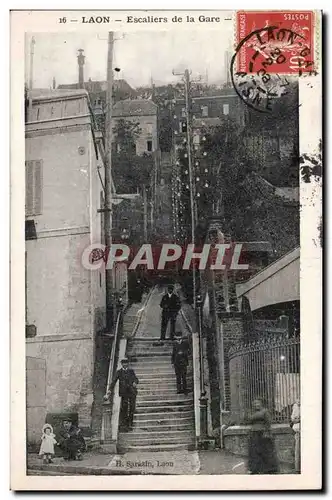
x=232, y=329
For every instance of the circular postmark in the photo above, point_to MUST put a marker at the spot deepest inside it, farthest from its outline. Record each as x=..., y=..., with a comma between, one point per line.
x=264, y=63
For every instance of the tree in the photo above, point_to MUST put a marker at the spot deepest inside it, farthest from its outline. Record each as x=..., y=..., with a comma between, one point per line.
x=250, y=208
x=125, y=135
x=130, y=171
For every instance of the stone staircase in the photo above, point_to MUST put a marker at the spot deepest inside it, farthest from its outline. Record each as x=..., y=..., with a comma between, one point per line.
x=164, y=420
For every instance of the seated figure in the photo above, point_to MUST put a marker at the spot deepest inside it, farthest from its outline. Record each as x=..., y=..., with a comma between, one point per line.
x=71, y=441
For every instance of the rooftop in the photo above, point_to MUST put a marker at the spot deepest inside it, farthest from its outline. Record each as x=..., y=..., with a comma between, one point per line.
x=46, y=94
x=134, y=107
x=101, y=86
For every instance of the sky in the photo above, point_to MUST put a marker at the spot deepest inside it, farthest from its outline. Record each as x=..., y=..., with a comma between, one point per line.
x=141, y=56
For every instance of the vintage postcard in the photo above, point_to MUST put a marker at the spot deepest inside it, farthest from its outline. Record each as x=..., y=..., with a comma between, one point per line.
x=166, y=225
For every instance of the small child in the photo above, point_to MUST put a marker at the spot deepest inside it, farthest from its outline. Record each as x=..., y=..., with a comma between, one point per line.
x=47, y=444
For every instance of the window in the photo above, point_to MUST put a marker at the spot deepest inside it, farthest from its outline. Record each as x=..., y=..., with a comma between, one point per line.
x=33, y=187
x=205, y=111
x=183, y=112
x=149, y=128
x=149, y=145
x=225, y=109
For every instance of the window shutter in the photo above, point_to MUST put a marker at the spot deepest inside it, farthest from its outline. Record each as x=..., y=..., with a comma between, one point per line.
x=29, y=187
x=33, y=187
x=38, y=183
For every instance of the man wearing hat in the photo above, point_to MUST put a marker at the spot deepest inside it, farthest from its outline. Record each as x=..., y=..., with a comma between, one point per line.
x=171, y=305
x=71, y=440
x=180, y=359
x=127, y=392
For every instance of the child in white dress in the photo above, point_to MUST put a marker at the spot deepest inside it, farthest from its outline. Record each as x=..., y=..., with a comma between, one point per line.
x=47, y=444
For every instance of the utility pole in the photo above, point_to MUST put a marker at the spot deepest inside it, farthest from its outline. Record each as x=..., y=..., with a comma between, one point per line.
x=190, y=170
x=32, y=53
x=108, y=181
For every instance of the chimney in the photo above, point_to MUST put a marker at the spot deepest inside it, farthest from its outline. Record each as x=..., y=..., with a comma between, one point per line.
x=54, y=83
x=80, y=60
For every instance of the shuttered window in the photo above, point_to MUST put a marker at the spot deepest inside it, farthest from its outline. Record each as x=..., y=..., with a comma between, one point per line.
x=34, y=187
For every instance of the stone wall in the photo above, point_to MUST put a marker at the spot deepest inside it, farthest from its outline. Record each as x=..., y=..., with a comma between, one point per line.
x=69, y=373
x=35, y=398
x=236, y=441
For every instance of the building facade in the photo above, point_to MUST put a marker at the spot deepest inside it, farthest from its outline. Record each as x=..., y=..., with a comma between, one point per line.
x=65, y=303
x=143, y=112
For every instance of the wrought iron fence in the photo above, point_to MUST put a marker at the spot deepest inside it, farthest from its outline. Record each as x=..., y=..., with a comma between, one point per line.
x=269, y=370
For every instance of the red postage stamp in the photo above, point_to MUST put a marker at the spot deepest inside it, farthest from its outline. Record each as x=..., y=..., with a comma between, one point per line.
x=279, y=42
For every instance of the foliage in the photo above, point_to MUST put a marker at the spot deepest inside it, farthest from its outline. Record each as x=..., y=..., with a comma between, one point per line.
x=130, y=171
x=250, y=209
x=125, y=135
x=311, y=165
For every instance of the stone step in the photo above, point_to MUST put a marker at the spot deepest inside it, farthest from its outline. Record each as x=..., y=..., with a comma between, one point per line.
x=178, y=415
x=156, y=425
x=182, y=400
x=184, y=438
x=146, y=357
x=156, y=447
x=148, y=340
x=146, y=354
x=153, y=408
x=136, y=435
x=153, y=376
x=151, y=365
x=155, y=390
x=169, y=383
x=157, y=370
x=164, y=398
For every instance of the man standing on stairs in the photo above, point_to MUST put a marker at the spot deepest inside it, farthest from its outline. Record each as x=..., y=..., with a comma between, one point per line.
x=127, y=392
x=171, y=305
x=180, y=358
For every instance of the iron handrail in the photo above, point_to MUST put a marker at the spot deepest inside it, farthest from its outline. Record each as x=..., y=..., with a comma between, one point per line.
x=113, y=352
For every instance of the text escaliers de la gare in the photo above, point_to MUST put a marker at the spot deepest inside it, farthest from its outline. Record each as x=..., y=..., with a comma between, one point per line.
x=174, y=19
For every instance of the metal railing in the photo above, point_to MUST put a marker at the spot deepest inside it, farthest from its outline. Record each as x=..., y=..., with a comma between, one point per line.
x=107, y=406
x=269, y=370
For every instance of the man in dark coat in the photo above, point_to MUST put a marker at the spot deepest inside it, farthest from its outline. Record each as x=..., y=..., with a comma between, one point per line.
x=71, y=441
x=171, y=305
x=180, y=360
x=127, y=392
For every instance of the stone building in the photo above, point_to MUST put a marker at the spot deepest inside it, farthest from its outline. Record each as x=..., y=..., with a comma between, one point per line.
x=65, y=303
x=144, y=112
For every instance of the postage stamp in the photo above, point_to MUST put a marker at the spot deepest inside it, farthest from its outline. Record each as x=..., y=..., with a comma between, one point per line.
x=271, y=49
x=281, y=42
x=166, y=291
